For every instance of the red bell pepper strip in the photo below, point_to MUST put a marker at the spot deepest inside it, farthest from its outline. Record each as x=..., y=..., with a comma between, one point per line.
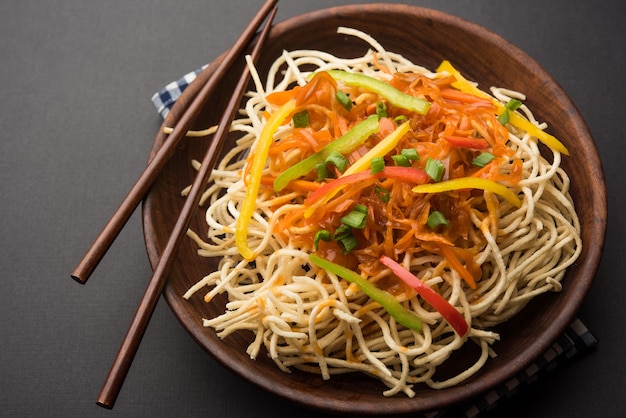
x=465, y=142
x=454, y=318
x=407, y=174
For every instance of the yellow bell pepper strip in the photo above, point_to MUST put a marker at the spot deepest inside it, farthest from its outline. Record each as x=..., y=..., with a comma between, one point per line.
x=346, y=144
x=469, y=183
x=514, y=118
x=256, y=171
x=388, y=92
x=450, y=314
x=379, y=150
x=384, y=298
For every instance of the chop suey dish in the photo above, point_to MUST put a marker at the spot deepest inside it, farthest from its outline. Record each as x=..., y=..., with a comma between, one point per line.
x=375, y=216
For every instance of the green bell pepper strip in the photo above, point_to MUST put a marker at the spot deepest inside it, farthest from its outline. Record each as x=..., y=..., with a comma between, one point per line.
x=347, y=143
x=388, y=92
x=384, y=298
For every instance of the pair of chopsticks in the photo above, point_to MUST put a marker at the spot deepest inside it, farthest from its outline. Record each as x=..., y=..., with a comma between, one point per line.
x=130, y=344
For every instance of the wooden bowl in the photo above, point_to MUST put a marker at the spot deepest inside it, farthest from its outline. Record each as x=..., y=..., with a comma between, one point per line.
x=426, y=37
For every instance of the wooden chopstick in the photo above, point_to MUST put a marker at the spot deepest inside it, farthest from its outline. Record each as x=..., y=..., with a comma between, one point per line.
x=100, y=246
x=121, y=365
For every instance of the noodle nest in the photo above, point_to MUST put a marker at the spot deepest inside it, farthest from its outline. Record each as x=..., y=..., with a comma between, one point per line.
x=308, y=319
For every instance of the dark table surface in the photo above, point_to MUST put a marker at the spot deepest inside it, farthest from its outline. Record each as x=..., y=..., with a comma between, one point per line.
x=76, y=124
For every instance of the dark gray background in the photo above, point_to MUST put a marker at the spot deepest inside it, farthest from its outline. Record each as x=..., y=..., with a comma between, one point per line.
x=76, y=125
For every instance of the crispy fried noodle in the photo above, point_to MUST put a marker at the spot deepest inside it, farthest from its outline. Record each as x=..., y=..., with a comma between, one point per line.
x=376, y=167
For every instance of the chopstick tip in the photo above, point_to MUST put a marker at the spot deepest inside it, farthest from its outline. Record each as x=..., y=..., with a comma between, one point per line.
x=78, y=279
x=104, y=405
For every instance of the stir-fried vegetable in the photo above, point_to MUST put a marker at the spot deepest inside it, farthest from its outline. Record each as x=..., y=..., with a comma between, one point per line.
x=378, y=189
x=346, y=144
x=382, y=148
x=514, y=118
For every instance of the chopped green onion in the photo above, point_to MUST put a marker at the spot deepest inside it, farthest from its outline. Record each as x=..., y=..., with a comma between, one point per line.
x=360, y=208
x=323, y=235
x=435, y=219
x=357, y=218
x=411, y=154
x=381, y=110
x=513, y=104
x=343, y=235
x=434, y=168
x=322, y=171
x=504, y=117
x=377, y=165
x=342, y=232
x=349, y=243
x=383, y=194
x=301, y=119
x=509, y=107
x=401, y=160
x=344, y=100
x=483, y=159
x=338, y=160
x=400, y=118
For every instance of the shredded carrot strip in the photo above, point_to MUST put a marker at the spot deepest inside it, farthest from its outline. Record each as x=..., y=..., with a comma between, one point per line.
x=298, y=185
x=380, y=66
x=462, y=97
x=456, y=264
x=279, y=98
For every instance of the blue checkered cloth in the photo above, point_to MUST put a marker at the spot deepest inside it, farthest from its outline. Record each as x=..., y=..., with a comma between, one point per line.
x=164, y=99
x=576, y=339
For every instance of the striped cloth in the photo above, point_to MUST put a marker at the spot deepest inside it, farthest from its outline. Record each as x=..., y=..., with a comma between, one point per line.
x=576, y=339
